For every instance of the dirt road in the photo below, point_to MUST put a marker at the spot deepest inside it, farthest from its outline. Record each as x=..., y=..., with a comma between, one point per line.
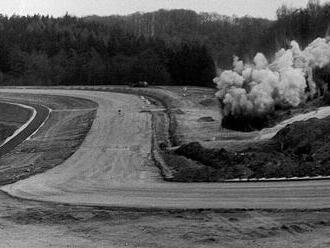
x=113, y=168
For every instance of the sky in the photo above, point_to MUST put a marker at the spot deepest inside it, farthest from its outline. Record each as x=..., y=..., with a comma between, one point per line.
x=257, y=8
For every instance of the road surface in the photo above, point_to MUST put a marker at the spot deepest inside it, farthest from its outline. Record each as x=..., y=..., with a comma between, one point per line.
x=40, y=114
x=113, y=168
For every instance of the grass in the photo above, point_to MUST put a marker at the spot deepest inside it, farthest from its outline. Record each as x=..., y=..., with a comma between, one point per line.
x=6, y=131
x=13, y=115
x=11, y=118
x=46, y=150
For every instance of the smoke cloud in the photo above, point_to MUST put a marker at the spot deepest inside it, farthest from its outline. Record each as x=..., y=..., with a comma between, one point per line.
x=256, y=89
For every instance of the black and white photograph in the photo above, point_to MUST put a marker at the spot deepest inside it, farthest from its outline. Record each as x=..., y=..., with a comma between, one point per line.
x=165, y=123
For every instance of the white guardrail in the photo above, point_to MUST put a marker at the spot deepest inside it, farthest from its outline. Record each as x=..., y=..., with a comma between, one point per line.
x=275, y=179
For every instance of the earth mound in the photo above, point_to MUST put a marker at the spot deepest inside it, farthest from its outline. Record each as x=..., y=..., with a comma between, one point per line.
x=300, y=149
x=311, y=137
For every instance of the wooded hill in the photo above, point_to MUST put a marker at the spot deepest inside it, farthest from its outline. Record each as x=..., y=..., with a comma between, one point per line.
x=163, y=47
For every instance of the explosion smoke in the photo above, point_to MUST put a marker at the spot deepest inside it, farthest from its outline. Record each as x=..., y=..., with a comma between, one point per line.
x=286, y=82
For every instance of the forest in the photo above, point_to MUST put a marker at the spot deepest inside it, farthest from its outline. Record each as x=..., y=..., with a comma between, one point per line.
x=173, y=47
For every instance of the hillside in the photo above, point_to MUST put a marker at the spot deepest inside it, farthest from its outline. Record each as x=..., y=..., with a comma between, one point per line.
x=223, y=35
x=174, y=47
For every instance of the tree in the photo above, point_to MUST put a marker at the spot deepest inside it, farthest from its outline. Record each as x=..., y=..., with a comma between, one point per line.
x=148, y=67
x=191, y=65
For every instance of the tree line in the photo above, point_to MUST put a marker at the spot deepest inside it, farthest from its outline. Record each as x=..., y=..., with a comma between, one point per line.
x=178, y=47
x=302, y=25
x=41, y=50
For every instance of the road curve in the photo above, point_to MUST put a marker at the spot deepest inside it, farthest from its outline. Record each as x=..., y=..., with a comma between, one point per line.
x=113, y=168
x=40, y=114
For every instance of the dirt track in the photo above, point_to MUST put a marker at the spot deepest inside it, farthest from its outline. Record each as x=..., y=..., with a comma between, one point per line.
x=113, y=168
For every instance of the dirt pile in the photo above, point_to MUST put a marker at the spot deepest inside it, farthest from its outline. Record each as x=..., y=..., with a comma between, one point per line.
x=219, y=164
x=306, y=141
x=298, y=150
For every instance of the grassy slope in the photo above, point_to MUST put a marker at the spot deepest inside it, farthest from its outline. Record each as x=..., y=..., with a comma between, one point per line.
x=6, y=131
x=11, y=118
x=57, y=140
x=13, y=115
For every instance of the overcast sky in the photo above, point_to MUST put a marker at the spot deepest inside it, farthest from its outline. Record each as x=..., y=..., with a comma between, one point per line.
x=258, y=8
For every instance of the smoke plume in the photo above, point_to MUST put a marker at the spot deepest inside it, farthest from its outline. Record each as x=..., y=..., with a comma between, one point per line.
x=256, y=89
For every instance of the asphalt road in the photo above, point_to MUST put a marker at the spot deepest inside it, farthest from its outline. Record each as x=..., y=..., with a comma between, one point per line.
x=42, y=113
x=113, y=168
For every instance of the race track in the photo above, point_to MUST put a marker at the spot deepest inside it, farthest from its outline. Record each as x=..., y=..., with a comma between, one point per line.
x=40, y=115
x=113, y=168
